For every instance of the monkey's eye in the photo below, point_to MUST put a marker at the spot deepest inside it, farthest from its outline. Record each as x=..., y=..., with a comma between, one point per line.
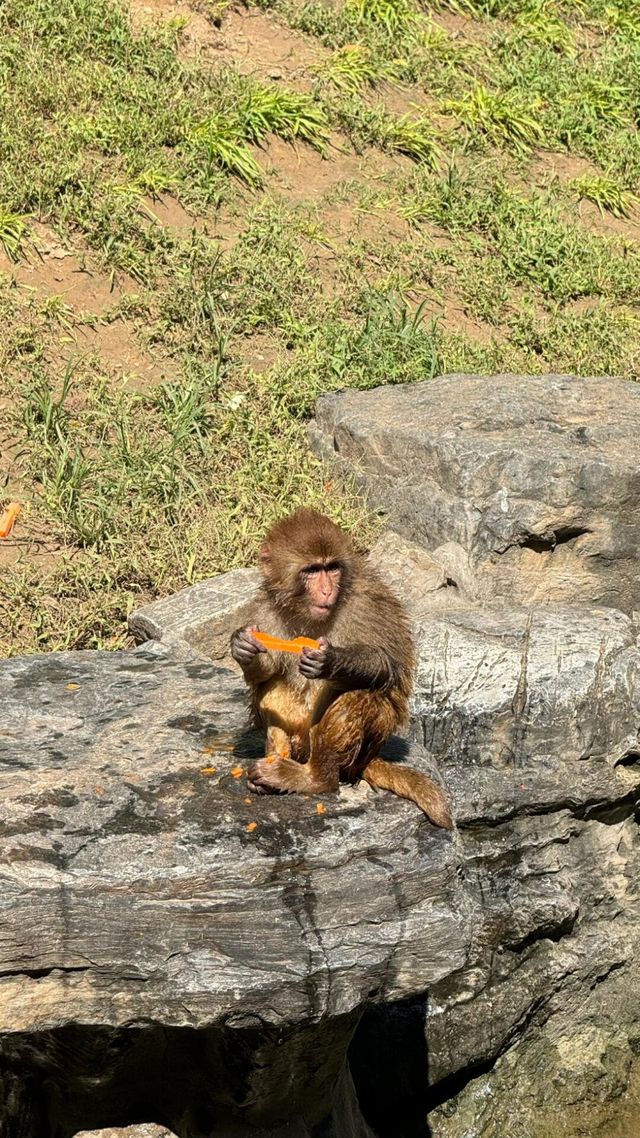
x=312, y=570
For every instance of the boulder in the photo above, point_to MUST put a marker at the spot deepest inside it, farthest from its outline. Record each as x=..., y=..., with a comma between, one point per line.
x=530, y=483
x=177, y=951
x=173, y=949
x=203, y=616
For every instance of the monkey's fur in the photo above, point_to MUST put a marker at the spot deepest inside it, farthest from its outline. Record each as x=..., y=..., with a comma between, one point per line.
x=328, y=713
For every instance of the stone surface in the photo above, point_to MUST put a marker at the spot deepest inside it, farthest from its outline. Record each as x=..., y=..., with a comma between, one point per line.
x=144, y=1131
x=203, y=615
x=517, y=703
x=163, y=959
x=531, y=482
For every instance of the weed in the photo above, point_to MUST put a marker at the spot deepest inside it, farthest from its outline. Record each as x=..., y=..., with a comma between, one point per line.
x=351, y=68
x=411, y=135
x=390, y=14
x=13, y=229
x=606, y=193
x=500, y=116
x=221, y=140
x=274, y=110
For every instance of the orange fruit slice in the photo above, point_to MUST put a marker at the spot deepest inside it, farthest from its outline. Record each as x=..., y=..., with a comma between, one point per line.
x=276, y=644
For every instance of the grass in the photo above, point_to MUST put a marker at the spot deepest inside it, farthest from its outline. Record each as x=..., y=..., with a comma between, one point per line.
x=498, y=116
x=13, y=229
x=351, y=68
x=606, y=193
x=415, y=223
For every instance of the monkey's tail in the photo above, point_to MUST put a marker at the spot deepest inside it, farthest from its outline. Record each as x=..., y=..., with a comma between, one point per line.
x=414, y=785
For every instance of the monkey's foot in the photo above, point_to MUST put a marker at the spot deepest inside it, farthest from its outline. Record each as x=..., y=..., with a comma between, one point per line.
x=274, y=775
x=259, y=776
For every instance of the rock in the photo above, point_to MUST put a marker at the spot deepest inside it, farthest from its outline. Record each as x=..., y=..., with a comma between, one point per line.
x=163, y=959
x=418, y=578
x=514, y=704
x=533, y=719
x=144, y=1131
x=203, y=615
x=534, y=478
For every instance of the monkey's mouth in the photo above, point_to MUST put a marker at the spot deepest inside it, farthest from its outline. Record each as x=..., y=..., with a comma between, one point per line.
x=321, y=610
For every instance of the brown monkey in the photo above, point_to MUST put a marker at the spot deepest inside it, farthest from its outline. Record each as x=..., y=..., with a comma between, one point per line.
x=328, y=711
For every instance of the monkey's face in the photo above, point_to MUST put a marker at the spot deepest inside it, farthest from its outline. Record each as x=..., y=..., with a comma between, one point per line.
x=321, y=584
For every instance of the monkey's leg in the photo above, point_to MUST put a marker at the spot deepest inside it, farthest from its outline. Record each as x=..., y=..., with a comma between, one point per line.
x=352, y=728
x=283, y=775
x=278, y=742
x=355, y=727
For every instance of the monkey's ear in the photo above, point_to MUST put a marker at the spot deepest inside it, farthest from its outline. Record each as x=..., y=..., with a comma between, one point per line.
x=265, y=559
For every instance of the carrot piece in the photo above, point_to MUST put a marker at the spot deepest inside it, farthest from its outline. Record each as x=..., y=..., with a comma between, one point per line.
x=276, y=644
x=8, y=518
x=251, y=827
x=237, y=772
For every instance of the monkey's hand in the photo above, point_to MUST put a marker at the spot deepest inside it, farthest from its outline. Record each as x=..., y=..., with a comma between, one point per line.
x=317, y=663
x=244, y=648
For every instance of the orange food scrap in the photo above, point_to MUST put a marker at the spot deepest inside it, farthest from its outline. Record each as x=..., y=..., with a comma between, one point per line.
x=247, y=801
x=252, y=826
x=207, y=750
x=8, y=518
x=73, y=687
x=208, y=770
x=320, y=809
x=237, y=772
x=276, y=644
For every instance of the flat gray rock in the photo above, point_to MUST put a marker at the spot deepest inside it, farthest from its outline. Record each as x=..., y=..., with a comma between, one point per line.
x=202, y=616
x=534, y=478
x=174, y=949
x=158, y=918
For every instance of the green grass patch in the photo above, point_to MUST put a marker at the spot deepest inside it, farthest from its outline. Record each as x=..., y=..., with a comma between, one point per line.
x=133, y=493
x=606, y=193
x=13, y=229
x=501, y=117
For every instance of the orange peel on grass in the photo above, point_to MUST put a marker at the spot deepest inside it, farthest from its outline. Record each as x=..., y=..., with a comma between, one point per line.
x=276, y=644
x=8, y=518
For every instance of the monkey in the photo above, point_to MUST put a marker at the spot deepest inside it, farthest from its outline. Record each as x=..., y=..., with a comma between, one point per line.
x=328, y=712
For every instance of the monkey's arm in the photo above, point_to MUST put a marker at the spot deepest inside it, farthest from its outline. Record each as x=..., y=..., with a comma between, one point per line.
x=257, y=664
x=359, y=666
